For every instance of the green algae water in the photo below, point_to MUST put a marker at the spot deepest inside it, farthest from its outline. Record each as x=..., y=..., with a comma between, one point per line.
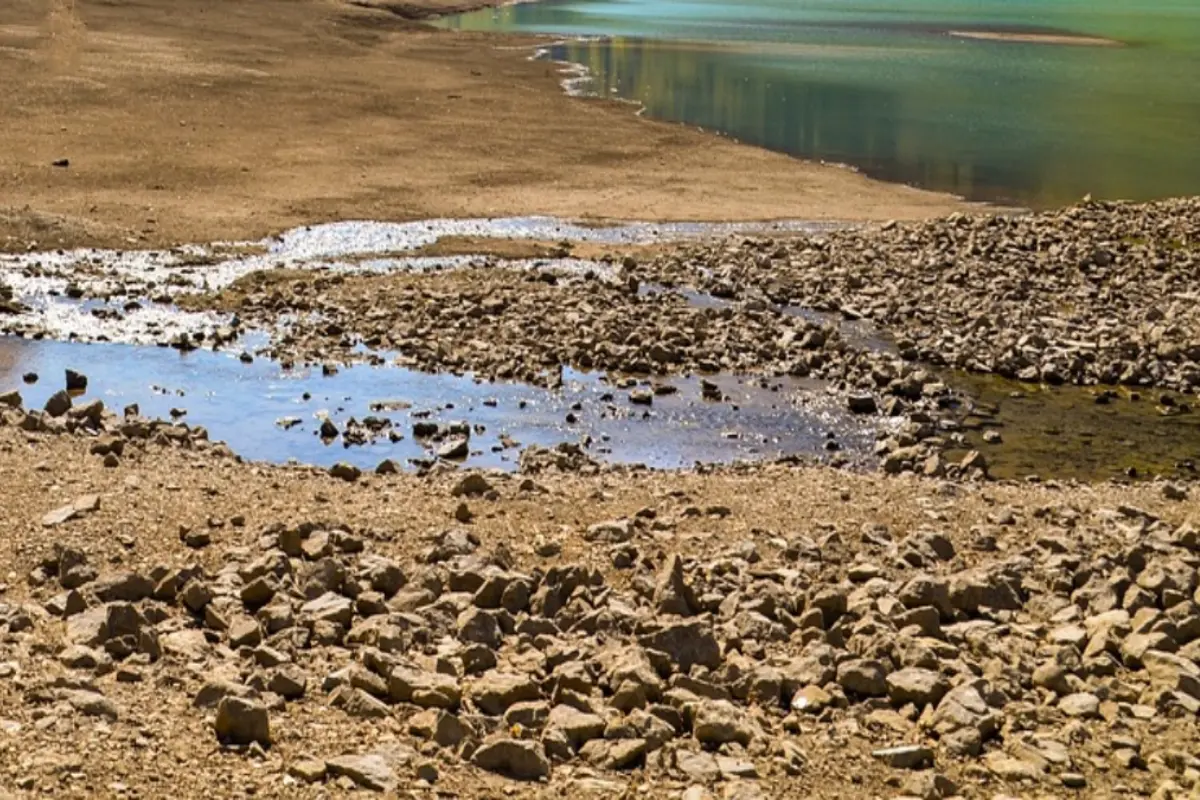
x=1097, y=97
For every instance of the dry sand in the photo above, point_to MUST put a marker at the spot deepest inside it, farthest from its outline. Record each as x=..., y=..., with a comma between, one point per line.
x=217, y=120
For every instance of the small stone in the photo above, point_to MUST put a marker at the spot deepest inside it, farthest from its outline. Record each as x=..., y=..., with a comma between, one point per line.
x=308, y=770
x=811, y=699
x=719, y=721
x=241, y=721
x=905, y=757
x=861, y=404
x=427, y=771
x=289, y=682
x=914, y=685
x=1073, y=780
x=438, y=726
x=1080, y=704
x=368, y=771
x=454, y=449
x=473, y=484
x=520, y=759
x=58, y=404
x=577, y=726
x=76, y=381
x=863, y=677
x=93, y=704
x=345, y=472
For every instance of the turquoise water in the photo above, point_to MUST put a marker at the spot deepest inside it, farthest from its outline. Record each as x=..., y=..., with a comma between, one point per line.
x=887, y=87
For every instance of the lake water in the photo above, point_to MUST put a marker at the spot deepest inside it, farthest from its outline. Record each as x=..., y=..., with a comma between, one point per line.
x=886, y=86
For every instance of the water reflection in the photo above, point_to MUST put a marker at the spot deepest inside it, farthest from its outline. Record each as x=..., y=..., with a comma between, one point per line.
x=885, y=88
x=243, y=404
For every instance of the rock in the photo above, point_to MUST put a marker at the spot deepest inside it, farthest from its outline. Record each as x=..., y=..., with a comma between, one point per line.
x=11, y=399
x=58, y=404
x=576, y=726
x=863, y=677
x=438, y=726
x=479, y=626
x=425, y=689
x=92, y=704
x=217, y=689
x=1073, y=780
x=345, y=472
x=905, y=757
x=1173, y=672
x=719, y=721
x=427, y=771
x=308, y=770
x=244, y=632
x=241, y=721
x=454, y=449
x=610, y=532
x=59, y=516
x=811, y=700
x=700, y=767
x=614, y=755
x=914, y=685
x=129, y=587
x=78, y=656
x=329, y=607
x=472, y=484
x=1173, y=492
x=289, y=682
x=523, y=760
x=370, y=771
x=186, y=645
x=686, y=644
x=861, y=404
x=964, y=720
x=672, y=595
x=494, y=692
x=1012, y=769
x=1080, y=704
x=76, y=381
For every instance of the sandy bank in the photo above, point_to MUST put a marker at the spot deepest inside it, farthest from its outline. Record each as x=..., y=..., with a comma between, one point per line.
x=226, y=120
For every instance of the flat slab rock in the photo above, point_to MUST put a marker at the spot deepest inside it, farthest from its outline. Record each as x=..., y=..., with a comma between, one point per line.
x=84, y=504
x=371, y=771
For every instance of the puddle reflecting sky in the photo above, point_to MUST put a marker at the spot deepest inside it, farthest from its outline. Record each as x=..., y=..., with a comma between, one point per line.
x=241, y=403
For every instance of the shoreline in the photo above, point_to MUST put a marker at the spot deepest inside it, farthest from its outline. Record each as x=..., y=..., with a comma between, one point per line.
x=313, y=130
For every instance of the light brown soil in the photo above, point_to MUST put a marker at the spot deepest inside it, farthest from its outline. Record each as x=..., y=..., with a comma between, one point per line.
x=161, y=739
x=219, y=119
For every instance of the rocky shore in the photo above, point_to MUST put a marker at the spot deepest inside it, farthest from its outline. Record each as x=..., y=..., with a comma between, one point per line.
x=173, y=618
x=1099, y=293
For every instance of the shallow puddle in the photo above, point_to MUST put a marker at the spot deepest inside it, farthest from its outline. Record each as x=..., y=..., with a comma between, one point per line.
x=1063, y=432
x=243, y=404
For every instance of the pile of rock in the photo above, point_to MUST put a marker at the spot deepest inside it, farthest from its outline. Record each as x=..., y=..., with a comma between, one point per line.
x=1044, y=663
x=1096, y=293
x=111, y=434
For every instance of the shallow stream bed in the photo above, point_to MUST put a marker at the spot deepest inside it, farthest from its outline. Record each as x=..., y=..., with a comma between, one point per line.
x=267, y=413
